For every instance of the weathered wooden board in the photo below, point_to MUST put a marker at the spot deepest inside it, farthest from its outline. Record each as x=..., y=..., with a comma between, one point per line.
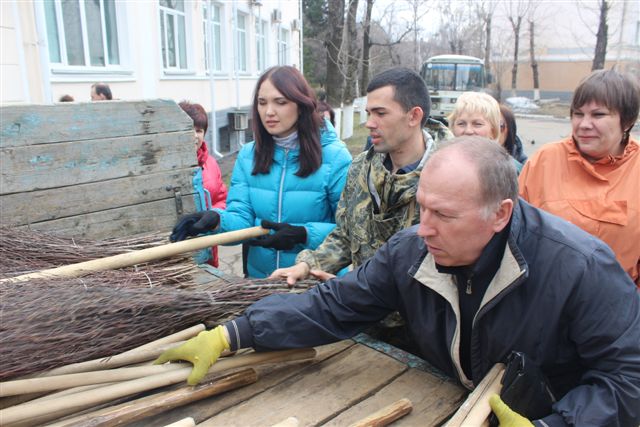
x=95, y=170
x=46, y=124
x=268, y=377
x=136, y=219
x=56, y=203
x=41, y=167
x=433, y=400
x=320, y=394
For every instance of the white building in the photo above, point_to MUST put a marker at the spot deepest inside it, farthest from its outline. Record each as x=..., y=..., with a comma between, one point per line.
x=205, y=51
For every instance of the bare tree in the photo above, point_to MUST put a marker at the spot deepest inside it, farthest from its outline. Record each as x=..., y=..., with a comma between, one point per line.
x=351, y=57
x=532, y=18
x=501, y=49
x=460, y=32
x=390, y=33
x=418, y=11
x=334, y=77
x=366, y=48
x=534, y=62
x=516, y=11
x=484, y=11
x=454, y=28
x=601, y=37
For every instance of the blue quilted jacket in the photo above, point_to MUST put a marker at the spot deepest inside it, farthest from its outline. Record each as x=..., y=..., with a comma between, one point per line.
x=281, y=196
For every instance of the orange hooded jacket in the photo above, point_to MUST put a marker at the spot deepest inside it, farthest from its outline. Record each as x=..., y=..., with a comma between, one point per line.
x=602, y=198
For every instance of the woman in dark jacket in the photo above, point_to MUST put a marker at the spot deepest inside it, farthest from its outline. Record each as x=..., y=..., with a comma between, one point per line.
x=509, y=135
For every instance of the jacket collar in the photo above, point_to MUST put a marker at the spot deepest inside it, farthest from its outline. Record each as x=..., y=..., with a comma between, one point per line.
x=513, y=269
x=606, y=162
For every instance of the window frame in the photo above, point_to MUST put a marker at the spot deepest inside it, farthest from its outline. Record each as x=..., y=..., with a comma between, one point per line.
x=283, y=44
x=242, y=56
x=207, y=20
x=63, y=66
x=262, y=42
x=163, y=12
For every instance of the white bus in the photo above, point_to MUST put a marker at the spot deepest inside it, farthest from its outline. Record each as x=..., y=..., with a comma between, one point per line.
x=448, y=76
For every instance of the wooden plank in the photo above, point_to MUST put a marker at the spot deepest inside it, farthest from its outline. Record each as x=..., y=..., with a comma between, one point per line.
x=22, y=125
x=387, y=415
x=55, y=203
x=268, y=377
x=317, y=394
x=121, y=222
x=40, y=167
x=476, y=410
x=157, y=403
x=433, y=400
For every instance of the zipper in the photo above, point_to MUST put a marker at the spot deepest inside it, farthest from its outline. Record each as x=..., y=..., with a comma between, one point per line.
x=280, y=192
x=466, y=382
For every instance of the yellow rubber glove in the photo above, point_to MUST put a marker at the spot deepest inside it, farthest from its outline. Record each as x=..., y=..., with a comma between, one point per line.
x=202, y=350
x=506, y=416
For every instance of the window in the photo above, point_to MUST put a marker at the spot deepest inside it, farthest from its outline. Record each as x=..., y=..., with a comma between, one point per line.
x=261, y=45
x=241, y=37
x=82, y=33
x=212, y=23
x=283, y=46
x=172, y=32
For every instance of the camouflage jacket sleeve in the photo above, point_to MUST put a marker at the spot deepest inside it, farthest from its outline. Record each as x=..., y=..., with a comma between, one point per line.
x=334, y=253
x=438, y=131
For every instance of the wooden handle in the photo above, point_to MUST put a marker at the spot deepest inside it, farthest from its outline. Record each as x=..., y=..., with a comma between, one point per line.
x=162, y=402
x=59, y=382
x=143, y=353
x=141, y=256
x=96, y=396
x=475, y=410
x=185, y=422
x=386, y=415
x=289, y=422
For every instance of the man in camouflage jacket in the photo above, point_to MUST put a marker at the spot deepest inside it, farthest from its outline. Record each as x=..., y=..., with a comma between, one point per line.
x=379, y=196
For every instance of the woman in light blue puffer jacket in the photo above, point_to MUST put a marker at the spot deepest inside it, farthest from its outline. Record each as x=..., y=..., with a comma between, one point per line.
x=289, y=179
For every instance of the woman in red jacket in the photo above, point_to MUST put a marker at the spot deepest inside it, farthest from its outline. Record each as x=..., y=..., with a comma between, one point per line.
x=215, y=194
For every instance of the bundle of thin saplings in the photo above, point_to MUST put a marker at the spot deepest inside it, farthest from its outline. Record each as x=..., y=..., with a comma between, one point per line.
x=52, y=322
x=56, y=321
x=25, y=251
x=126, y=388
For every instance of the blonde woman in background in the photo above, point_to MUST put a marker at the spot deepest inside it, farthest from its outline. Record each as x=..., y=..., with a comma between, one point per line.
x=477, y=113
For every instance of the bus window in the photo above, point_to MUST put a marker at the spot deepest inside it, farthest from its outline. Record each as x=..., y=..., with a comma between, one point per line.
x=441, y=76
x=469, y=77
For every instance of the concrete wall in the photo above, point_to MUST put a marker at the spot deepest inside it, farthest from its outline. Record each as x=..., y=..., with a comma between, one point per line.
x=559, y=78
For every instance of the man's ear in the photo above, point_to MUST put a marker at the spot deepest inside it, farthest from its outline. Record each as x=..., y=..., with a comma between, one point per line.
x=503, y=215
x=415, y=116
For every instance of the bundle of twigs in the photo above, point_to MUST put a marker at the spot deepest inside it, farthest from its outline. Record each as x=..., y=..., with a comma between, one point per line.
x=24, y=251
x=52, y=322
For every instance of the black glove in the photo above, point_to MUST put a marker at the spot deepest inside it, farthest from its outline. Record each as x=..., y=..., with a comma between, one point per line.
x=194, y=224
x=286, y=236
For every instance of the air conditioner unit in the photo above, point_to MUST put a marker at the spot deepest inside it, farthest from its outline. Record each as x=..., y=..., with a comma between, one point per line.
x=239, y=120
x=276, y=16
x=295, y=25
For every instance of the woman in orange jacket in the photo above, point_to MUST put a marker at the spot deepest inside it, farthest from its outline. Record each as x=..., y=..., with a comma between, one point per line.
x=592, y=178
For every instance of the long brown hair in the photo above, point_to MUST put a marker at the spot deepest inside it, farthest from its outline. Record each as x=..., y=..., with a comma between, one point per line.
x=293, y=86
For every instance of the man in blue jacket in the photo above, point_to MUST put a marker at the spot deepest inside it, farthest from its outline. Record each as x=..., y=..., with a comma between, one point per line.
x=483, y=274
